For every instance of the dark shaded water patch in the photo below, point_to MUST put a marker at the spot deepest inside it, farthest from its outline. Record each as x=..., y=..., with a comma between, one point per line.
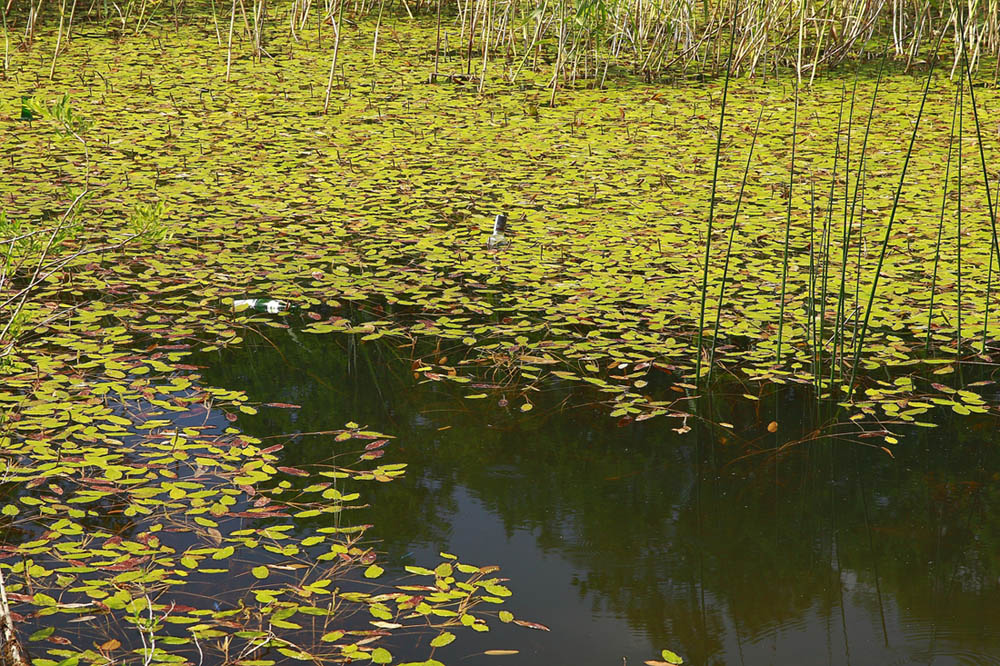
x=628, y=540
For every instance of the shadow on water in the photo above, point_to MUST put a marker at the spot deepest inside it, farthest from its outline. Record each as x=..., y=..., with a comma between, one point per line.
x=626, y=540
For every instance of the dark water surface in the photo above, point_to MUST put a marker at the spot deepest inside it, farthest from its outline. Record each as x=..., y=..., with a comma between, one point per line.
x=625, y=540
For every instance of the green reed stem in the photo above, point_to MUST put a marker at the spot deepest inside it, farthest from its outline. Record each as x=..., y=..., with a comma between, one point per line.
x=892, y=218
x=788, y=227
x=849, y=222
x=729, y=247
x=861, y=236
x=838, y=345
x=811, y=321
x=711, y=203
x=944, y=204
x=982, y=157
x=828, y=235
x=989, y=284
x=958, y=233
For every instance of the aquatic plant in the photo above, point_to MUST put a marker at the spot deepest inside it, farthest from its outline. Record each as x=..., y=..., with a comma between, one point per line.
x=370, y=220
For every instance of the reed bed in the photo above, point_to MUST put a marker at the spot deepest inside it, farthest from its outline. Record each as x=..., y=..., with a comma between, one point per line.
x=573, y=41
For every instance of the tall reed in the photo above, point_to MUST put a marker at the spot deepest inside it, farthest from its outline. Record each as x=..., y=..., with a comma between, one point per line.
x=827, y=238
x=711, y=202
x=729, y=246
x=649, y=36
x=788, y=226
x=940, y=229
x=892, y=218
x=967, y=69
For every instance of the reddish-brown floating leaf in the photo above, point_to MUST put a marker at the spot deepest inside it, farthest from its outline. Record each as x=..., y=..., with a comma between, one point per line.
x=532, y=625
x=181, y=608
x=295, y=471
x=376, y=444
x=230, y=417
x=272, y=449
x=282, y=405
x=110, y=645
x=772, y=426
x=260, y=514
x=127, y=565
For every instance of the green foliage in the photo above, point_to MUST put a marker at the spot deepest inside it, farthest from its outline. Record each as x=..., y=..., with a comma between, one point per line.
x=146, y=222
x=61, y=113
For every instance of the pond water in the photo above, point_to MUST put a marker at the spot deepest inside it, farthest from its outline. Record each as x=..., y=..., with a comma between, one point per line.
x=625, y=539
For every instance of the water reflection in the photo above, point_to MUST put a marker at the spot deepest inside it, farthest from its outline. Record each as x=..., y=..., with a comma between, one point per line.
x=626, y=540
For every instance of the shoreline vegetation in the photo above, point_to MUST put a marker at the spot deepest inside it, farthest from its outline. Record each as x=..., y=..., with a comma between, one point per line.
x=163, y=159
x=569, y=40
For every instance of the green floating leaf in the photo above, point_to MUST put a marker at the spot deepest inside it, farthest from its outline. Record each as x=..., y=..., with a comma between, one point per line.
x=42, y=634
x=443, y=639
x=381, y=656
x=672, y=657
x=374, y=571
